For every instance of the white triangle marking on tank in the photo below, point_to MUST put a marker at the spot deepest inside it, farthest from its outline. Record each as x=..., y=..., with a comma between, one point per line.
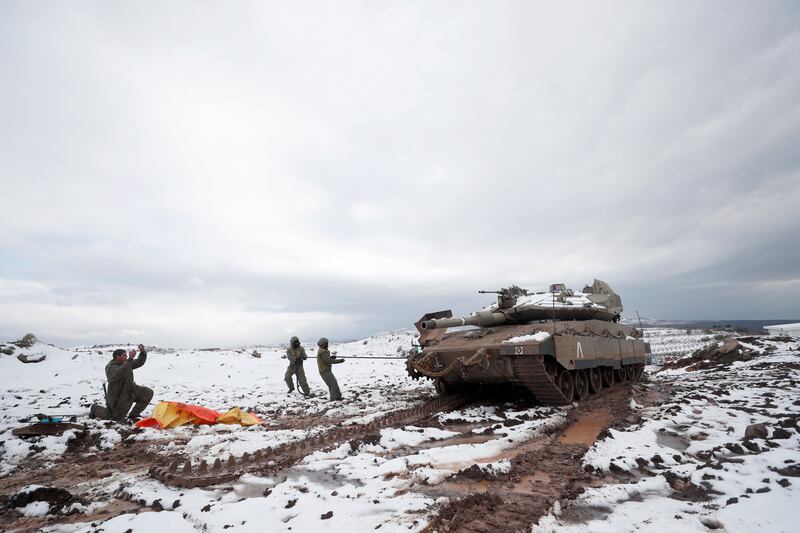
x=580, y=351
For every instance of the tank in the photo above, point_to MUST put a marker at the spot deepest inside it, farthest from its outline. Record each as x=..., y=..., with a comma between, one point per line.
x=561, y=345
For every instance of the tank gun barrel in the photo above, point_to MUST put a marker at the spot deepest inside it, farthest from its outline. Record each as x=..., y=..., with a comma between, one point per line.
x=481, y=318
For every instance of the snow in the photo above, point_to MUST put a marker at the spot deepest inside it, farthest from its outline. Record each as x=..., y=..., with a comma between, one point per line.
x=537, y=337
x=697, y=433
x=34, y=509
x=547, y=299
x=343, y=480
x=383, y=482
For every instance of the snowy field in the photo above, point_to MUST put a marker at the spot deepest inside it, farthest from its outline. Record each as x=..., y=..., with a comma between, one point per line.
x=372, y=486
x=684, y=466
x=689, y=466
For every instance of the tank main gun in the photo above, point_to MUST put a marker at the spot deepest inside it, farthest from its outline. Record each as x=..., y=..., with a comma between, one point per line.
x=481, y=318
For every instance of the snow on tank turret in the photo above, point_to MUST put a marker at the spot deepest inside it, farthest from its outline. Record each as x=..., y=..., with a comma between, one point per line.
x=559, y=344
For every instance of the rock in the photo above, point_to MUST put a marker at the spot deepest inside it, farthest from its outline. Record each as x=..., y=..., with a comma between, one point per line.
x=617, y=469
x=780, y=434
x=31, y=358
x=711, y=523
x=56, y=497
x=730, y=344
x=789, y=471
x=27, y=341
x=755, y=431
x=326, y=515
x=752, y=446
x=7, y=350
x=684, y=489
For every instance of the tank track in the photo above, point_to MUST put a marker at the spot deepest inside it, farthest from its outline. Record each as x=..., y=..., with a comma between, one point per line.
x=531, y=372
x=181, y=473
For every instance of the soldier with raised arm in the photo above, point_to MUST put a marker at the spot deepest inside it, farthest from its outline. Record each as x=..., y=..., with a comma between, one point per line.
x=122, y=392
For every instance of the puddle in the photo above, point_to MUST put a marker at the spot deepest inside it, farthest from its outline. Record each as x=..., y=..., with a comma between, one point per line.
x=467, y=427
x=475, y=438
x=297, y=478
x=672, y=440
x=584, y=514
x=586, y=429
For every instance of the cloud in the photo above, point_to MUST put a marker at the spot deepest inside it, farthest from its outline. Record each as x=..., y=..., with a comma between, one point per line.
x=269, y=167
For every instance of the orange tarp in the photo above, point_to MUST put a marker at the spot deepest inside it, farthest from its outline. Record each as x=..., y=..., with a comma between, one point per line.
x=174, y=414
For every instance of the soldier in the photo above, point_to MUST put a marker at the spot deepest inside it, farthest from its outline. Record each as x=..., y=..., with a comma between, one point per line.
x=324, y=362
x=122, y=391
x=296, y=354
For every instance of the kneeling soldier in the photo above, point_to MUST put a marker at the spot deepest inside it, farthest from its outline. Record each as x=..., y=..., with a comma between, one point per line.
x=122, y=392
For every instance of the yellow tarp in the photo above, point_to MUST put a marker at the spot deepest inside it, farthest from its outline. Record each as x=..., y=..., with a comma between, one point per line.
x=237, y=416
x=174, y=414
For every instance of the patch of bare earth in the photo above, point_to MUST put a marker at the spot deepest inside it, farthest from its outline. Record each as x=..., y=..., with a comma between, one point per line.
x=544, y=469
x=75, y=473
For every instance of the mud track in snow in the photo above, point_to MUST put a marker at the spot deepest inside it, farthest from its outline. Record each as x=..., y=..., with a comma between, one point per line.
x=544, y=469
x=83, y=473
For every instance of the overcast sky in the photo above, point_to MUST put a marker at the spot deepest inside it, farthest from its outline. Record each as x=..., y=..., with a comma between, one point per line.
x=228, y=173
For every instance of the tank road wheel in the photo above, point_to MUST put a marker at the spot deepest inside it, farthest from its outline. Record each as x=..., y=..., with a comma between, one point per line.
x=639, y=370
x=608, y=376
x=620, y=375
x=581, y=385
x=566, y=385
x=595, y=380
x=630, y=372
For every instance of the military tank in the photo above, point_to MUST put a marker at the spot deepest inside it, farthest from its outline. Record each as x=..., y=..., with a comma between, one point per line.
x=558, y=344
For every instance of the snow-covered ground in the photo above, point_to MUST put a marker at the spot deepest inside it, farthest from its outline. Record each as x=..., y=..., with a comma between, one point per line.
x=688, y=464
x=363, y=485
x=685, y=466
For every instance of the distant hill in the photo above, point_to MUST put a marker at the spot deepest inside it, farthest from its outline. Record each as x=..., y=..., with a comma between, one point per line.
x=751, y=326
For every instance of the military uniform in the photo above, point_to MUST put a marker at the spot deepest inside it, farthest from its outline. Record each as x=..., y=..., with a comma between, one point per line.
x=324, y=363
x=122, y=392
x=296, y=354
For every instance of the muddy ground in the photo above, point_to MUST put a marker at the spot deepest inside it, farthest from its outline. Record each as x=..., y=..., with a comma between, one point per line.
x=544, y=469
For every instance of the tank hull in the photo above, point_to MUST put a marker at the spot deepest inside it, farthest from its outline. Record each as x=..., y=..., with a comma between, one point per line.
x=558, y=362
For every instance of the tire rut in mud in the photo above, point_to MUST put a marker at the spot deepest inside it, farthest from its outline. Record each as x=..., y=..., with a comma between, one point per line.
x=544, y=470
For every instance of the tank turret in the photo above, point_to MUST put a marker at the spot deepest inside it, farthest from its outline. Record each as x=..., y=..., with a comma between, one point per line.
x=516, y=305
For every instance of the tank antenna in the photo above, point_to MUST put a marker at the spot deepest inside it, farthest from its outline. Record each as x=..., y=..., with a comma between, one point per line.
x=553, y=296
x=641, y=329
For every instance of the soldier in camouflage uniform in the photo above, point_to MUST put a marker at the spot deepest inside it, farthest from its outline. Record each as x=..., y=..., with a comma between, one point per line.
x=296, y=354
x=324, y=362
x=122, y=392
